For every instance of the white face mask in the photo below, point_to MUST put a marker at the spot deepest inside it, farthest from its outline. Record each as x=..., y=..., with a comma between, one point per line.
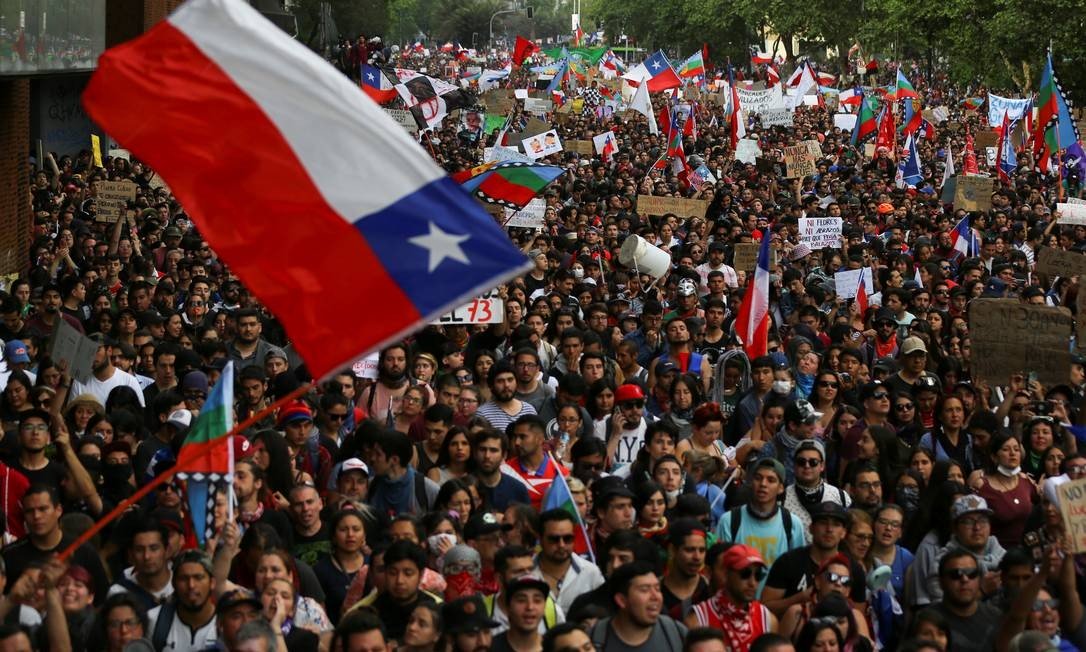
x=578, y=273
x=782, y=386
x=672, y=496
x=1008, y=471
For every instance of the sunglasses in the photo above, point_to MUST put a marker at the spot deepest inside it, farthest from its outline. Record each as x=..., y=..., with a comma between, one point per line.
x=903, y=407
x=834, y=578
x=962, y=574
x=336, y=417
x=810, y=462
x=1051, y=603
x=880, y=395
x=757, y=572
x=560, y=538
x=829, y=384
x=639, y=404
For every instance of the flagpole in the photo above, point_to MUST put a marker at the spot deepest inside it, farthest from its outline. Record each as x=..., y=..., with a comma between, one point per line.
x=179, y=466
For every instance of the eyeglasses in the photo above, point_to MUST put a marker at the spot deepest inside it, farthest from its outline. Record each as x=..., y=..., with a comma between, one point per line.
x=412, y=399
x=31, y=427
x=130, y=623
x=834, y=578
x=868, y=486
x=525, y=365
x=560, y=538
x=885, y=522
x=629, y=405
x=169, y=487
x=960, y=574
x=1041, y=605
x=942, y=293
x=468, y=399
x=810, y=462
x=1078, y=468
x=975, y=521
x=904, y=407
x=195, y=396
x=1018, y=407
x=758, y=572
x=829, y=384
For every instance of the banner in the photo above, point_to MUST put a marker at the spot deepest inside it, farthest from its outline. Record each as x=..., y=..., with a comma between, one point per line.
x=997, y=106
x=684, y=208
x=777, y=117
x=752, y=102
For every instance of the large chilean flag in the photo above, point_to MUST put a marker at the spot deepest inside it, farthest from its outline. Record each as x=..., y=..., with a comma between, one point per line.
x=334, y=217
x=752, y=322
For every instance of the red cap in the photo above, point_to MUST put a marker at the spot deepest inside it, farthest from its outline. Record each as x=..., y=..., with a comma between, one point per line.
x=629, y=392
x=740, y=556
x=242, y=448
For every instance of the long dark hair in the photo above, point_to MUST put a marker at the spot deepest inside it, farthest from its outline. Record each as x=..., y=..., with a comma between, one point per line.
x=278, y=472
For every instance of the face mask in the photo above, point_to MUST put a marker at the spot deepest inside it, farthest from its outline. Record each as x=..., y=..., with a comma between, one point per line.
x=908, y=498
x=1008, y=471
x=116, y=475
x=459, y=585
x=578, y=273
x=782, y=386
x=433, y=542
x=672, y=496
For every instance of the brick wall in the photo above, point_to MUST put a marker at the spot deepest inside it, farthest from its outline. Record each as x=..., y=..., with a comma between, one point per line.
x=156, y=10
x=15, y=215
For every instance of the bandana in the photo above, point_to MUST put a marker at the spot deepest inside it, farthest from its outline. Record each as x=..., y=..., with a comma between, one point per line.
x=735, y=620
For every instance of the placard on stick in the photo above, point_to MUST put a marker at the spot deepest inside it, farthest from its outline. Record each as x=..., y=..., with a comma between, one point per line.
x=820, y=232
x=1057, y=262
x=112, y=199
x=1073, y=511
x=684, y=208
x=1010, y=337
x=1072, y=213
x=746, y=256
x=973, y=193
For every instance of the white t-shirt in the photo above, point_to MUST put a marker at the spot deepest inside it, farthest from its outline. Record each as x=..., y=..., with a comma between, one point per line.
x=100, y=389
x=630, y=442
x=181, y=638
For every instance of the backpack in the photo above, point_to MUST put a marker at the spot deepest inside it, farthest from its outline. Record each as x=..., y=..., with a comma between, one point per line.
x=163, y=625
x=421, y=497
x=672, y=634
x=737, y=520
x=140, y=594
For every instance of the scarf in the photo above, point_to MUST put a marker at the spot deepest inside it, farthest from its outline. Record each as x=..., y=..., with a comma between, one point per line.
x=810, y=498
x=735, y=621
x=885, y=349
x=804, y=384
x=248, y=518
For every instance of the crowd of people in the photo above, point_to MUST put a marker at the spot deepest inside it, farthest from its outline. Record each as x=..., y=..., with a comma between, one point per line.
x=856, y=488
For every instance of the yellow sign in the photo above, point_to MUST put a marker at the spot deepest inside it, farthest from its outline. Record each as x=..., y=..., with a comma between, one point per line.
x=96, y=147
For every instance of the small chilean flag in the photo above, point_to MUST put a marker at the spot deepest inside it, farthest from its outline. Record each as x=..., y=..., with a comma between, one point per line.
x=333, y=211
x=376, y=85
x=661, y=75
x=752, y=322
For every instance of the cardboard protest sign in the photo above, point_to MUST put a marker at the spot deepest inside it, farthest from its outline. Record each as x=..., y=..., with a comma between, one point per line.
x=684, y=208
x=112, y=200
x=799, y=162
x=1073, y=511
x=766, y=165
x=777, y=117
x=580, y=146
x=987, y=139
x=529, y=217
x=869, y=150
x=69, y=344
x=537, y=106
x=973, y=193
x=747, y=151
x=820, y=232
x=745, y=257
x=1057, y=262
x=485, y=309
x=846, y=283
x=813, y=147
x=1072, y=213
x=1010, y=337
x=542, y=145
x=404, y=119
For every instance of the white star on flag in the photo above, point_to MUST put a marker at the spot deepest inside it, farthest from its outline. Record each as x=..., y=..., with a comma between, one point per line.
x=441, y=245
x=656, y=65
x=369, y=76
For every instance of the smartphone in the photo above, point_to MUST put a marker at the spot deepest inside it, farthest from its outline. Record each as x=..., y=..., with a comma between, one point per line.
x=1032, y=377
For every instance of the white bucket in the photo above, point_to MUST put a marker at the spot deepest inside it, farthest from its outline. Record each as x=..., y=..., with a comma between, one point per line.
x=638, y=254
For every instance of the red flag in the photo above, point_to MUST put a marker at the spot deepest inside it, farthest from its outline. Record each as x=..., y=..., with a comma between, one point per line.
x=887, y=136
x=861, y=295
x=969, y=164
x=522, y=50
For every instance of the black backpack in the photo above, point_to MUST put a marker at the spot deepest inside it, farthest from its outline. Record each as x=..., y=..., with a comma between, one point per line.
x=737, y=520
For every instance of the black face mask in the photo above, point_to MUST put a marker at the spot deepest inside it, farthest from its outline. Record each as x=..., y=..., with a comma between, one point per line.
x=93, y=465
x=909, y=499
x=115, y=475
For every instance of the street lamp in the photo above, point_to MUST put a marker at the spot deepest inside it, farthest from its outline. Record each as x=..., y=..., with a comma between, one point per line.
x=496, y=14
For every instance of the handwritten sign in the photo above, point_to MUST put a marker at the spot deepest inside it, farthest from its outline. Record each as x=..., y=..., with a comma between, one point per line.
x=112, y=199
x=799, y=162
x=537, y=106
x=1057, y=262
x=502, y=154
x=973, y=193
x=987, y=139
x=486, y=309
x=1073, y=511
x=844, y=121
x=846, y=283
x=404, y=119
x=69, y=344
x=759, y=101
x=1072, y=213
x=820, y=232
x=366, y=367
x=684, y=208
x=1011, y=337
x=580, y=146
x=529, y=217
x=746, y=256
x=777, y=117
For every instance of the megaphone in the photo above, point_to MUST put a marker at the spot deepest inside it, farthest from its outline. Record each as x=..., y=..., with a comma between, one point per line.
x=639, y=255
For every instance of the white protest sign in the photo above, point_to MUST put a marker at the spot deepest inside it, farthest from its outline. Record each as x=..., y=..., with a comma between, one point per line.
x=485, y=309
x=1076, y=200
x=846, y=283
x=537, y=106
x=762, y=100
x=520, y=93
x=502, y=154
x=1072, y=213
x=810, y=100
x=820, y=232
x=844, y=121
x=941, y=114
x=747, y=151
x=542, y=145
x=990, y=156
x=404, y=119
x=777, y=118
x=529, y=217
x=366, y=367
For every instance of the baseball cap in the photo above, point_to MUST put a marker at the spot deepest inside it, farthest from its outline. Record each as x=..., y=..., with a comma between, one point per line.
x=829, y=509
x=740, y=556
x=912, y=345
x=869, y=389
x=466, y=615
x=236, y=598
x=770, y=463
x=666, y=367
x=801, y=411
x=810, y=445
x=969, y=504
x=481, y=524
x=353, y=464
x=180, y=419
x=885, y=207
x=528, y=582
x=170, y=518
x=629, y=392
x=15, y=351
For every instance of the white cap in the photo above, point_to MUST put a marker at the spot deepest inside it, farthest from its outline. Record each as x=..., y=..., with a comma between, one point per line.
x=180, y=419
x=354, y=464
